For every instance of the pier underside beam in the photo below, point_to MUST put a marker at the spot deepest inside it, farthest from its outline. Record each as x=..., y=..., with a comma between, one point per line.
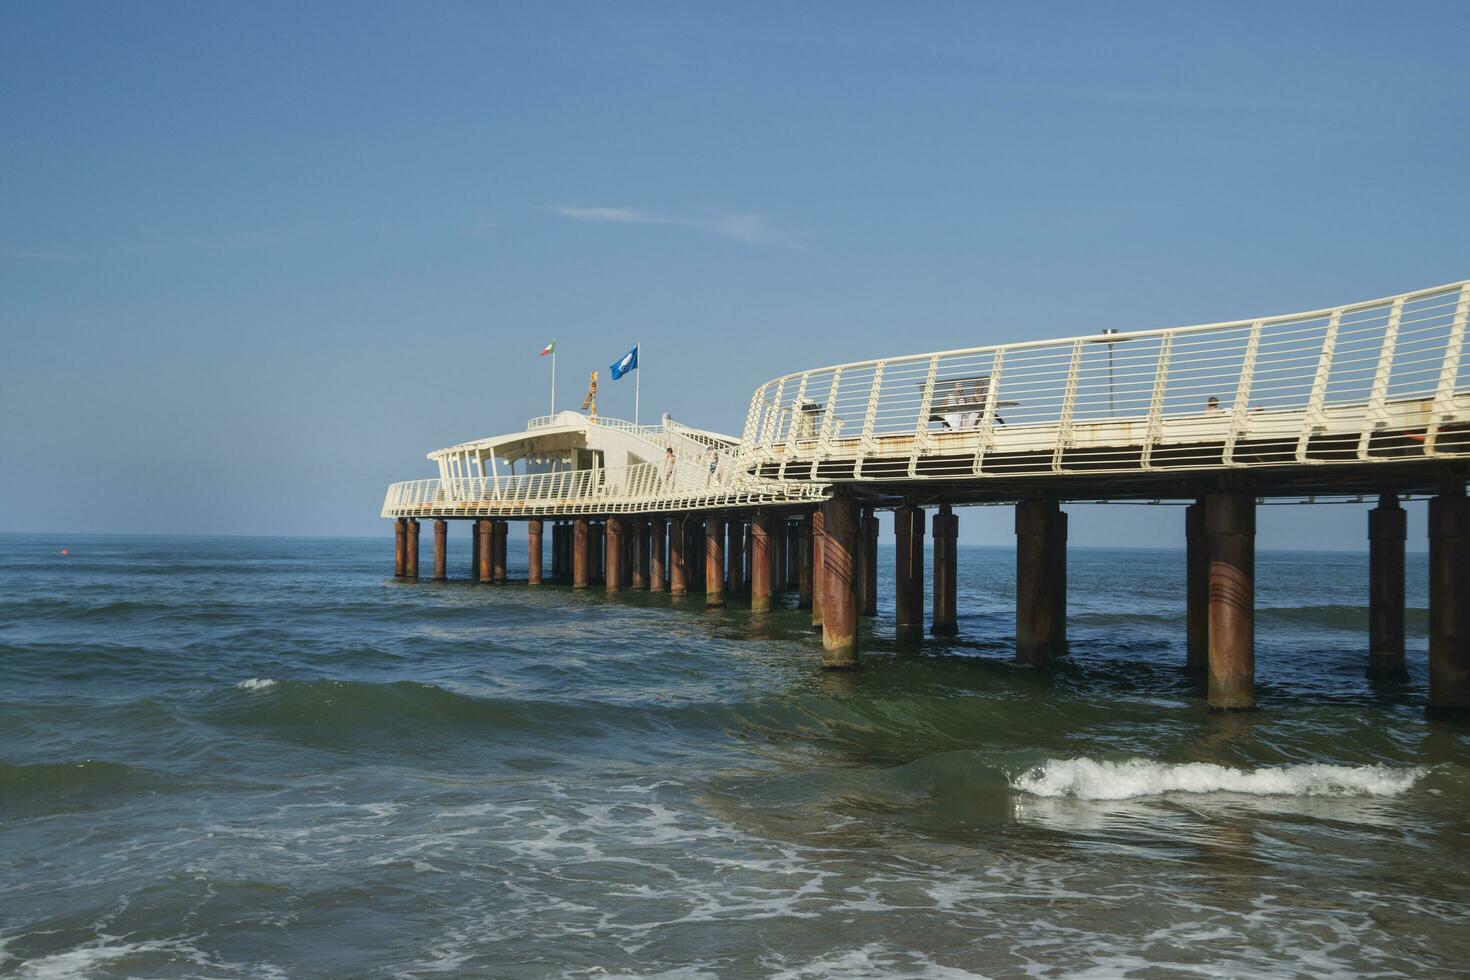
x=714, y=561
x=946, y=569
x=839, y=584
x=908, y=572
x=760, y=561
x=1230, y=525
x=1449, y=604
x=441, y=549
x=411, y=568
x=533, y=551
x=581, y=554
x=1197, y=590
x=1038, y=638
x=1387, y=531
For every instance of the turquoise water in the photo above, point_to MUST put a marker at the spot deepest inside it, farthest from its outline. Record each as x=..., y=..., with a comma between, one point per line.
x=265, y=758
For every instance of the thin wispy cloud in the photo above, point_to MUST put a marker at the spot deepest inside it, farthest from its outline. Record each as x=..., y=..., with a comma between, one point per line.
x=751, y=227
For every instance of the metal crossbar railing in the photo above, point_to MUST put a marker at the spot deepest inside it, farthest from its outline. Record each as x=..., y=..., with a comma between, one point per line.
x=1378, y=381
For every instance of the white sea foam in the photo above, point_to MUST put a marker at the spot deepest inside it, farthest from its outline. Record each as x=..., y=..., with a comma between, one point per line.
x=1088, y=779
x=256, y=684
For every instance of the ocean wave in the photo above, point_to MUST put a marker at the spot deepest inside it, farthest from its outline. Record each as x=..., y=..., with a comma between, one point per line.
x=256, y=684
x=1089, y=779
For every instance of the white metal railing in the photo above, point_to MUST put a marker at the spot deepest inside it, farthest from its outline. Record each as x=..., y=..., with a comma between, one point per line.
x=695, y=480
x=1382, y=380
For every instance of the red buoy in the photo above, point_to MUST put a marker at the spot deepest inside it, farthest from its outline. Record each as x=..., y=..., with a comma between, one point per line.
x=65, y=552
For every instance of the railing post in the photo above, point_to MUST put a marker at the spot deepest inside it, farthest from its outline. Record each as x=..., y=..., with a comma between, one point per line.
x=824, y=437
x=1069, y=407
x=1378, y=397
x=985, y=432
x=1239, y=412
x=1449, y=373
x=1155, y=428
x=921, y=427
x=866, y=443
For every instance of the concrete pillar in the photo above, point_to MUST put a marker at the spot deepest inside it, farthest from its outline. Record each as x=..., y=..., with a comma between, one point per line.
x=778, y=554
x=1449, y=604
x=1197, y=590
x=400, y=547
x=679, y=554
x=501, y=532
x=558, y=532
x=441, y=549
x=1387, y=531
x=870, y=565
x=597, y=532
x=803, y=529
x=613, y=550
x=642, y=557
x=761, y=568
x=533, y=551
x=485, y=550
x=819, y=568
x=908, y=577
x=1230, y=525
x=840, y=542
x=946, y=568
x=747, y=546
x=581, y=554
x=475, y=550
x=411, y=569
x=1035, y=566
x=1058, y=557
x=734, y=553
x=658, y=536
x=714, y=561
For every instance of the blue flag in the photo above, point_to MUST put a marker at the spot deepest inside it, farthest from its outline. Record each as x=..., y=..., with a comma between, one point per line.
x=628, y=362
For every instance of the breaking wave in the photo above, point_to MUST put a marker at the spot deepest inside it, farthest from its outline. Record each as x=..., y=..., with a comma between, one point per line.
x=1088, y=779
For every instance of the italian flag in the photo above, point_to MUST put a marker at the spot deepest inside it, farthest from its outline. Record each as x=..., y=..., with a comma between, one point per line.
x=548, y=349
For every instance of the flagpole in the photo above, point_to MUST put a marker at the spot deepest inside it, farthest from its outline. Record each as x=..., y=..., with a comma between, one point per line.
x=553, y=377
x=638, y=381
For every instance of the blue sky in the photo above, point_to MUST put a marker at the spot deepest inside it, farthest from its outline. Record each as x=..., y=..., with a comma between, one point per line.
x=256, y=260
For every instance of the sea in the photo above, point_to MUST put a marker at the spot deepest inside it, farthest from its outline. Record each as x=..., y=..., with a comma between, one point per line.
x=266, y=758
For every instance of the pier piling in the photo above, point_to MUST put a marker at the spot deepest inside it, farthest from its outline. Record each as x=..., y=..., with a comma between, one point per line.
x=804, y=561
x=501, y=532
x=839, y=584
x=658, y=537
x=485, y=535
x=1057, y=576
x=734, y=554
x=819, y=567
x=411, y=569
x=613, y=573
x=908, y=572
x=714, y=561
x=1036, y=569
x=760, y=561
x=1197, y=590
x=870, y=565
x=1230, y=525
x=441, y=549
x=946, y=569
x=533, y=551
x=581, y=554
x=400, y=547
x=679, y=555
x=1387, y=531
x=641, y=556
x=1449, y=604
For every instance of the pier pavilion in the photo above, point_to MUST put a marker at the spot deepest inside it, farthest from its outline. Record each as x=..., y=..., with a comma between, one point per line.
x=1369, y=399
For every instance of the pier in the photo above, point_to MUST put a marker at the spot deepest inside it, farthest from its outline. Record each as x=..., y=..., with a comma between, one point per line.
x=1368, y=400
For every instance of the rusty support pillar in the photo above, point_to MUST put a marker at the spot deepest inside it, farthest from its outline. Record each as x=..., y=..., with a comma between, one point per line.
x=500, y=532
x=613, y=551
x=1196, y=590
x=946, y=567
x=804, y=560
x=778, y=554
x=598, y=532
x=1230, y=525
x=747, y=549
x=1058, y=575
x=679, y=555
x=400, y=547
x=484, y=551
x=761, y=539
x=533, y=551
x=1387, y=531
x=908, y=571
x=819, y=566
x=734, y=553
x=637, y=532
x=1035, y=567
x=411, y=569
x=581, y=554
x=840, y=543
x=1449, y=604
x=714, y=561
x=558, y=552
x=475, y=550
x=658, y=540
x=870, y=565
x=441, y=549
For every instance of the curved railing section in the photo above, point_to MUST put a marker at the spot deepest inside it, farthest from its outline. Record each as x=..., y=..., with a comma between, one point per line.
x=697, y=481
x=1378, y=381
